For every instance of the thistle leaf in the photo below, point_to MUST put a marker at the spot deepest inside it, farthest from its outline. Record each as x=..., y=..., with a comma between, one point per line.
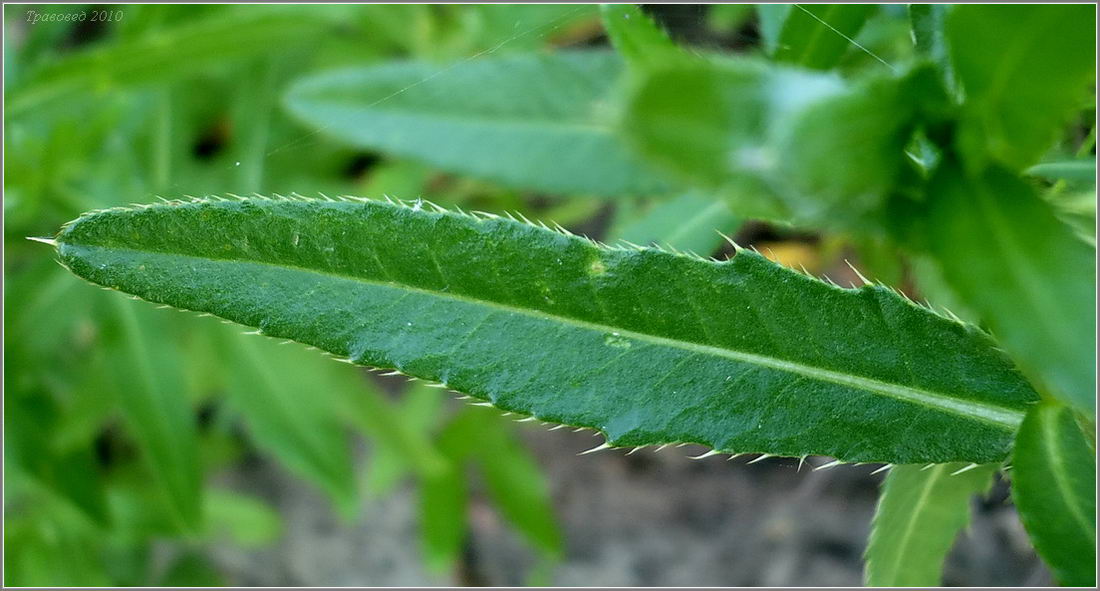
x=647, y=346
x=1054, y=487
x=918, y=517
x=443, y=115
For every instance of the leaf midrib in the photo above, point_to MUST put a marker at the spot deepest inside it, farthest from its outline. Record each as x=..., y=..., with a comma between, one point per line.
x=1049, y=425
x=1002, y=417
x=910, y=524
x=475, y=119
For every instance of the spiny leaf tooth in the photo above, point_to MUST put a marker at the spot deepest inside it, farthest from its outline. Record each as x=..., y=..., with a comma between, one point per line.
x=884, y=468
x=831, y=464
x=706, y=454
x=602, y=446
x=927, y=467
x=760, y=458
x=966, y=468
x=858, y=274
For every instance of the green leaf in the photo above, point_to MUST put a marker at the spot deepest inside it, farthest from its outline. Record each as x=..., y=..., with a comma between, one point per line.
x=928, y=30
x=1023, y=271
x=709, y=124
x=290, y=413
x=840, y=157
x=418, y=413
x=511, y=475
x=772, y=17
x=649, y=347
x=248, y=521
x=157, y=411
x=780, y=143
x=442, y=518
x=1083, y=170
x=72, y=475
x=688, y=223
x=443, y=116
x=816, y=36
x=636, y=37
x=404, y=435
x=919, y=515
x=1054, y=488
x=164, y=54
x=1024, y=69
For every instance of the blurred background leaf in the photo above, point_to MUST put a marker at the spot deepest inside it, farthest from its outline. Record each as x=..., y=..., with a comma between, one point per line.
x=122, y=421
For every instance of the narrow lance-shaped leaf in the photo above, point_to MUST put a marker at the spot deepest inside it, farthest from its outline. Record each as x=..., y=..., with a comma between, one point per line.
x=1054, y=488
x=289, y=412
x=1038, y=294
x=919, y=515
x=647, y=346
x=443, y=115
x=816, y=36
x=157, y=412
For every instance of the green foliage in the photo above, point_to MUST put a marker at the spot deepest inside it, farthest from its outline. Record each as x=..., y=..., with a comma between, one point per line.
x=169, y=52
x=999, y=53
x=902, y=134
x=1047, y=284
x=709, y=122
x=1054, y=487
x=291, y=413
x=511, y=475
x=441, y=116
x=921, y=511
x=443, y=500
x=155, y=408
x=816, y=36
x=207, y=256
x=636, y=37
x=691, y=222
